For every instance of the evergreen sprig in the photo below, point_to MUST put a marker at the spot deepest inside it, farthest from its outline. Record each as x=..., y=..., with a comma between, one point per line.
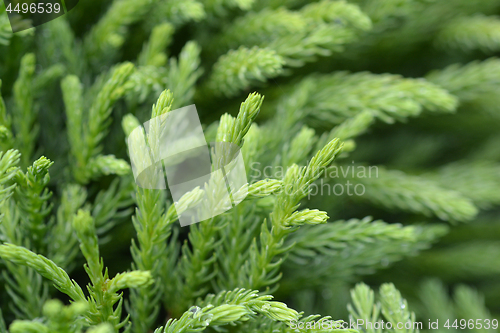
x=32, y=198
x=471, y=33
x=263, y=267
x=24, y=118
x=391, y=306
x=45, y=267
x=87, y=133
x=397, y=190
x=230, y=77
x=8, y=167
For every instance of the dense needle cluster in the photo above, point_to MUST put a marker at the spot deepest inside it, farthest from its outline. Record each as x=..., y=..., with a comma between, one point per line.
x=407, y=89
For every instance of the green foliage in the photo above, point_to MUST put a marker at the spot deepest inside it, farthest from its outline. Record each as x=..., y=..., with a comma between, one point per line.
x=474, y=84
x=299, y=36
x=32, y=199
x=184, y=72
x=86, y=133
x=466, y=304
x=360, y=245
x=59, y=319
x=5, y=32
x=471, y=33
x=394, y=189
x=229, y=77
x=341, y=96
x=44, y=267
x=108, y=35
x=24, y=117
x=231, y=307
x=8, y=169
x=391, y=99
x=390, y=305
x=152, y=53
x=477, y=181
x=177, y=12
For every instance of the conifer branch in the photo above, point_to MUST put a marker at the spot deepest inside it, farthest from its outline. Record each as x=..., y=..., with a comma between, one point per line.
x=262, y=268
x=32, y=197
x=239, y=69
x=222, y=7
x=471, y=33
x=229, y=308
x=108, y=35
x=103, y=291
x=477, y=181
x=45, y=267
x=8, y=170
x=5, y=125
x=196, y=265
x=386, y=243
x=63, y=247
x=391, y=305
x=178, y=12
x=183, y=74
x=5, y=29
x=475, y=84
x=153, y=52
x=63, y=48
x=152, y=225
x=87, y=133
x=24, y=118
x=397, y=190
x=413, y=96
